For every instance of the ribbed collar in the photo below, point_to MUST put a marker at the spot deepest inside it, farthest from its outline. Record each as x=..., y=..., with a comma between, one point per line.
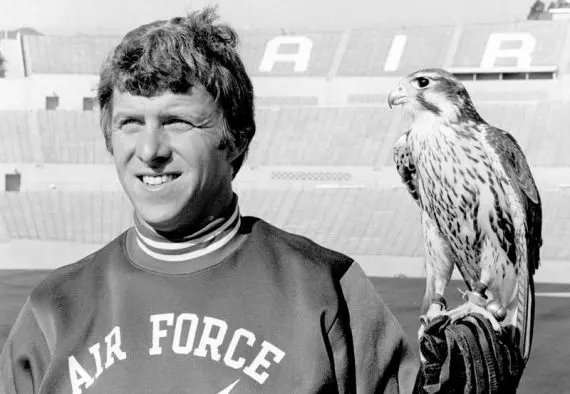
x=194, y=252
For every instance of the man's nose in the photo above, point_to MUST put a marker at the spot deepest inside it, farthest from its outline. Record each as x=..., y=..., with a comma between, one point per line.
x=153, y=145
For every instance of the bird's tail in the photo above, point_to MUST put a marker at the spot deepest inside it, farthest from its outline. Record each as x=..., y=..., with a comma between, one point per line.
x=528, y=328
x=523, y=320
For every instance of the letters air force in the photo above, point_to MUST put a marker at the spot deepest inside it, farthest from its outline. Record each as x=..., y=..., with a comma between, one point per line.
x=184, y=335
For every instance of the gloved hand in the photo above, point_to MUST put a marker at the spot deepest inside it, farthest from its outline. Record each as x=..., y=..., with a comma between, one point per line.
x=467, y=356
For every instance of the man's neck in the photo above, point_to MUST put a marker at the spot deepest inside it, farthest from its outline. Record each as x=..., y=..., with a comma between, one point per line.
x=194, y=228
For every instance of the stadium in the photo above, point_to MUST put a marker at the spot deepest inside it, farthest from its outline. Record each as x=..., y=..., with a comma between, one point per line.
x=321, y=162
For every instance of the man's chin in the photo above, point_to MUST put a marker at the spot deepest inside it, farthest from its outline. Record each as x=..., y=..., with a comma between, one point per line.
x=160, y=221
x=170, y=223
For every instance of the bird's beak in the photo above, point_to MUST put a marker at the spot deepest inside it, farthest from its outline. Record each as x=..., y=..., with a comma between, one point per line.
x=397, y=96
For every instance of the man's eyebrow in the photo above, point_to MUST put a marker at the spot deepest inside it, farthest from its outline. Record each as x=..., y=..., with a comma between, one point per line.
x=124, y=114
x=199, y=116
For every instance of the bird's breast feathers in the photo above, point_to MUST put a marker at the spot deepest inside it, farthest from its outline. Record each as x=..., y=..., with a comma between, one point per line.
x=458, y=185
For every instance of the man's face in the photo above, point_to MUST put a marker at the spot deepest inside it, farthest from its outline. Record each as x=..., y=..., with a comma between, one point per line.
x=168, y=157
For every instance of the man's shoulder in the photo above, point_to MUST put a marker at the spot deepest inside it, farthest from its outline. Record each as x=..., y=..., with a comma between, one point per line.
x=295, y=247
x=79, y=273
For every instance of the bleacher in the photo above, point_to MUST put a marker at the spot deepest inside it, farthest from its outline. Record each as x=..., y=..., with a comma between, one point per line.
x=339, y=53
x=296, y=135
x=368, y=49
x=86, y=217
x=357, y=221
x=67, y=54
x=71, y=137
x=541, y=129
x=324, y=136
x=323, y=49
x=547, y=51
x=298, y=126
x=15, y=143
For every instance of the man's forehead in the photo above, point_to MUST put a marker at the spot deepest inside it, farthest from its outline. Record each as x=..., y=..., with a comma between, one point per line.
x=196, y=100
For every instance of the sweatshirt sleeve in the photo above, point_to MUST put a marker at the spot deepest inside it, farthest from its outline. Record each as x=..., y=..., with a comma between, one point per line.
x=370, y=350
x=25, y=355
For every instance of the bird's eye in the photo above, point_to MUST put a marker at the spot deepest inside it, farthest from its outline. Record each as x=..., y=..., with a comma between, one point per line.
x=422, y=82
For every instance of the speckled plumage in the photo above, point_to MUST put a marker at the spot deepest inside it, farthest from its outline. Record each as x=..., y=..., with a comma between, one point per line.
x=480, y=207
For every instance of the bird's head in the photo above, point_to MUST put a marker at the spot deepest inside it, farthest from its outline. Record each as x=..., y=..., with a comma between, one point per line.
x=433, y=92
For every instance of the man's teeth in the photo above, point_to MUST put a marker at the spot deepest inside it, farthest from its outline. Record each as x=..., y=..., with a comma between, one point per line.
x=157, y=180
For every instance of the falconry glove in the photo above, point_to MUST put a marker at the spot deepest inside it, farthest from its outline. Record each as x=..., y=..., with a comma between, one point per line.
x=467, y=356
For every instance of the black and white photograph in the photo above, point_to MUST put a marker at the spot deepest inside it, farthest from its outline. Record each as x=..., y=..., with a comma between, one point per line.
x=297, y=197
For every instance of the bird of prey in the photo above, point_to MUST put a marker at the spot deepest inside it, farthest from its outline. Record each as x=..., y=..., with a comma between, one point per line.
x=480, y=207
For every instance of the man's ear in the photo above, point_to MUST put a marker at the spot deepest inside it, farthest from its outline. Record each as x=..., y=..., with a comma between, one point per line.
x=235, y=150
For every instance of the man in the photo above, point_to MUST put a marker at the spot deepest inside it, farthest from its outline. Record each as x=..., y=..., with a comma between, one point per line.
x=196, y=298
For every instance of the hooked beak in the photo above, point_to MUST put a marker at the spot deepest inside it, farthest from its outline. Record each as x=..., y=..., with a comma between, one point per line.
x=397, y=96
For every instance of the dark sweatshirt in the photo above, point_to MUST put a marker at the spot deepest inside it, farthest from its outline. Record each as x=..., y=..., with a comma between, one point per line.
x=242, y=308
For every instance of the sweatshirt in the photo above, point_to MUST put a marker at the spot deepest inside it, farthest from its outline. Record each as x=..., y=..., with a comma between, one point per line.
x=241, y=307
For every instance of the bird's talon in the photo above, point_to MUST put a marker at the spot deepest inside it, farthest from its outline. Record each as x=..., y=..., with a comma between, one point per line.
x=440, y=302
x=480, y=288
x=437, y=307
x=474, y=297
x=470, y=307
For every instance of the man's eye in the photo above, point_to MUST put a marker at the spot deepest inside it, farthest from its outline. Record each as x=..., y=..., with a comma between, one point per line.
x=130, y=123
x=177, y=124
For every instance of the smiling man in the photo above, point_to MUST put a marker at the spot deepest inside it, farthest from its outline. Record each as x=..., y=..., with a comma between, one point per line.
x=194, y=297
x=170, y=158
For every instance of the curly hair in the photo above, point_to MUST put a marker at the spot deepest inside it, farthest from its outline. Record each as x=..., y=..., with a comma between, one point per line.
x=171, y=56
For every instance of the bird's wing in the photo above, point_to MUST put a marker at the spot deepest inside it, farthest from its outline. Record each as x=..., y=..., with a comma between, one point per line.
x=516, y=167
x=520, y=177
x=405, y=165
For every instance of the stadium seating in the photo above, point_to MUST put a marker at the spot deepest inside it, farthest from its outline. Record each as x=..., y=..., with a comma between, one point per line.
x=368, y=49
x=548, y=37
x=294, y=131
x=68, y=54
x=15, y=143
x=323, y=49
x=295, y=135
x=349, y=52
x=357, y=136
x=84, y=217
x=548, y=142
x=356, y=221
x=72, y=137
x=541, y=129
x=324, y=136
x=85, y=54
x=377, y=222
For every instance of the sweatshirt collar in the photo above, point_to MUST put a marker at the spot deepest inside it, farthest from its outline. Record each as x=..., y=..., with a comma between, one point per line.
x=204, y=248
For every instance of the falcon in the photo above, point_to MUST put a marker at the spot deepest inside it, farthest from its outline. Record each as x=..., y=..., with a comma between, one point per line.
x=480, y=208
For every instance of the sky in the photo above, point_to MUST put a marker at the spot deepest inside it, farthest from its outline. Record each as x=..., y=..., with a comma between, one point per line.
x=109, y=17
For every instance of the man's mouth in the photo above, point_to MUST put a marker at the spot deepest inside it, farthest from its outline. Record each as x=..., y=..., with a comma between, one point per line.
x=157, y=180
